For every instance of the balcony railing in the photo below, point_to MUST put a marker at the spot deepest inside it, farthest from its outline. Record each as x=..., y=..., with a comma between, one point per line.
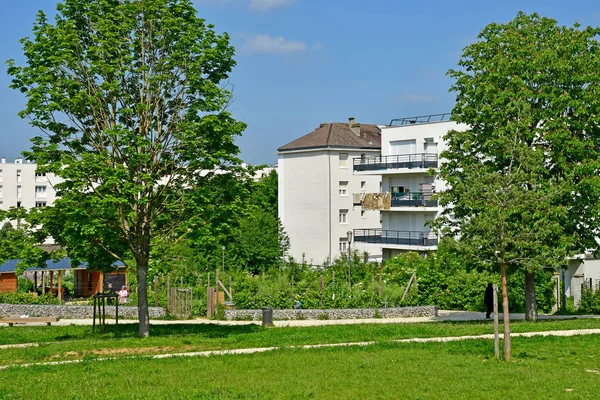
x=410, y=161
x=381, y=236
x=421, y=119
x=413, y=199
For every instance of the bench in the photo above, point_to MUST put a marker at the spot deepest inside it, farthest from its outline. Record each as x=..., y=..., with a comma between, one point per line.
x=28, y=320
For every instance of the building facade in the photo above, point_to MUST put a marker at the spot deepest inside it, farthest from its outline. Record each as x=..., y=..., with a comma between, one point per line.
x=22, y=186
x=410, y=149
x=319, y=196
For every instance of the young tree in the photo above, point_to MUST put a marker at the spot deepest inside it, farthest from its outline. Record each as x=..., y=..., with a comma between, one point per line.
x=523, y=176
x=129, y=97
x=553, y=73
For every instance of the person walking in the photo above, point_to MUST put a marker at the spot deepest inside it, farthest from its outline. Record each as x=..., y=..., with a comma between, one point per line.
x=488, y=299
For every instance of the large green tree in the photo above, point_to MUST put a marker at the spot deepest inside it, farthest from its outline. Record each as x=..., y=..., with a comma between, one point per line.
x=130, y=98
x=523, y=175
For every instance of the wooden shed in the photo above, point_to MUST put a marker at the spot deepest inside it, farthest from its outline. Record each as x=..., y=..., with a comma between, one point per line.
x=86, y=282
x=8, y=279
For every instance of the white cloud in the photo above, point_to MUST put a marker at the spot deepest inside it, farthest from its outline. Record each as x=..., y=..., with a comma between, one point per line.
x=266, y=5
x=273, y=45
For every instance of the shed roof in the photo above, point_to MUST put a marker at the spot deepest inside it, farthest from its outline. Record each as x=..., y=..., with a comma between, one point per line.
x=51, y=265
x=338, y=134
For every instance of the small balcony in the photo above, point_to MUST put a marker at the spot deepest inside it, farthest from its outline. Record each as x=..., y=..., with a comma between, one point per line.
x=413, y=199
x=406, y=238
x=388, y=201
x=402, y=161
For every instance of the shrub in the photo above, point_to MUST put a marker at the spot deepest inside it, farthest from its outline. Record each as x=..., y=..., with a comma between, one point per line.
x=590, y=301
x=27, y=298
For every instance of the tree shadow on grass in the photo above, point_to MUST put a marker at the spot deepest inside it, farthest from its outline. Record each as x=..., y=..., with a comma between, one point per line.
x=208, y=331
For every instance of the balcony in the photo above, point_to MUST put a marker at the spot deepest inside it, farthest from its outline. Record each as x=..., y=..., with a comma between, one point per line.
x=404, y=161
x=421, y=119
x=413, y=199
x=406, y=238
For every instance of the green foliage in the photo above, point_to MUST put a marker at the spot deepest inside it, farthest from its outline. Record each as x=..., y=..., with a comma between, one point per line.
x=20, y=242
x=220, y=312
x=27, y=298
x=590, y=301
x=130, y=98
x=521, y=170
x=530, y=83
x=25, y=285
x=257, y=242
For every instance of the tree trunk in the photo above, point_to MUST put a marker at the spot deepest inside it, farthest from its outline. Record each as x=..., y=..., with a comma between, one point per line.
x=530, y=302
x=505, y=310
x=143, y=314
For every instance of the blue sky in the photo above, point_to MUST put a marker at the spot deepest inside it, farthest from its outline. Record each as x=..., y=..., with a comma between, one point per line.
x=303, y=62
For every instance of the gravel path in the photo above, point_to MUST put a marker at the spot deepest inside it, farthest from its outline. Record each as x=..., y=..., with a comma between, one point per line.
x=442, y=316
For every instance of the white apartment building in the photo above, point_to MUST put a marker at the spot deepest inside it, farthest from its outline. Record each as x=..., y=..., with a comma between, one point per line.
x=410, y=149
x=319, y=196
x=22, y=186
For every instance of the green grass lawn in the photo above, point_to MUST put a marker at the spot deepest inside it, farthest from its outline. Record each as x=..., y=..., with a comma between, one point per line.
x=543, y=368
x=78, y=342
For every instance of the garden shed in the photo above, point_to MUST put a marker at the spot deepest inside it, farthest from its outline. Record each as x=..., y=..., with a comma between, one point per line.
x=8, y=278
x=86, y=282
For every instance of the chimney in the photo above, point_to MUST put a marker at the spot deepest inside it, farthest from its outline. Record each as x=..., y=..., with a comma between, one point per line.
x=355, y=127
x=3, y=160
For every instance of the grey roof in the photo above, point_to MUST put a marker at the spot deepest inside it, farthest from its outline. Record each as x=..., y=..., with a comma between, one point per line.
x=338, y=134
x=51, y=265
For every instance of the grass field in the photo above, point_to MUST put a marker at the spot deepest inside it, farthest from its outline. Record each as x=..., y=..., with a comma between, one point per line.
x=542, y=368
x=77, y=342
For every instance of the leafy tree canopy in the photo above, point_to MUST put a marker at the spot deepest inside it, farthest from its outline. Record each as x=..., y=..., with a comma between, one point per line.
x=130, y=99
x=522, y=173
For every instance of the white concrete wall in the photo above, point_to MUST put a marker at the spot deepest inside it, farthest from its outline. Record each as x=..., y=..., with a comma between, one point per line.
x=413, y=220
x=581, y=268
x=28, y=181
x=309, y=202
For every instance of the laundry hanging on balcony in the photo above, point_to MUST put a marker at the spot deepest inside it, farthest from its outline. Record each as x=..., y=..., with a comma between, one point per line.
x=377, y=201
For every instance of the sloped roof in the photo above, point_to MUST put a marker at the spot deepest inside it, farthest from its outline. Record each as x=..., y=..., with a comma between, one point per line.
x=338, y=134
x=51, y=265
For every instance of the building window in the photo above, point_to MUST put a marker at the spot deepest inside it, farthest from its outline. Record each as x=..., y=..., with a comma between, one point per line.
x=19, y=192
x=362, y=213
x=1, y=175
x=18, y=175
x=40, y=191
x=343, y=160
x=1, y=191
x=18, y=204
x=343, y=216
x=40, y=177
x=343, y=244
x=343, y=188
x=40, y=204
x=363, y=185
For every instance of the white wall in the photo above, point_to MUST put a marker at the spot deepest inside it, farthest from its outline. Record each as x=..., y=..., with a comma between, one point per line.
x=412, y=220
x=28, y=182
x=309, y=201
x=419, y=132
